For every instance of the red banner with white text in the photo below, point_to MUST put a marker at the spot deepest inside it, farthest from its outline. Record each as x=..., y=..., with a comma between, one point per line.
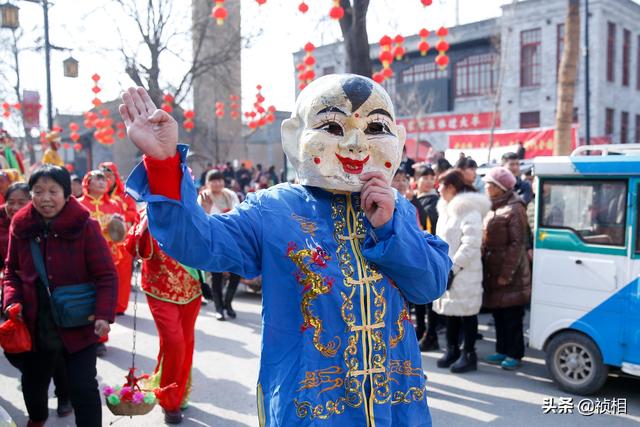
x=537, y=142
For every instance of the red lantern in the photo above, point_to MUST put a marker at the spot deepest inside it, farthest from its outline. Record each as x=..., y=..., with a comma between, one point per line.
x=74, y=136
x=310, y=60
x=386, y=57
x=74, y=127
x=336, y=12
x=387, y=72
x=398, y=52
x=261, y=2
x=423, y=47
x=17, y=106
x=271, y=109
x=188, y=125
x=378, y=77
x=424, y=33
x=442, y=61
x=66, y=145
x=303, y=7
x=426, y=3
x=96, y=102
x=77, y=146
x=69, y=167
x=95, y=77
x=309, y=47
x=386, y=41
x=219, y=13
x=442, y=46
x=442, y=32
x=189, y=114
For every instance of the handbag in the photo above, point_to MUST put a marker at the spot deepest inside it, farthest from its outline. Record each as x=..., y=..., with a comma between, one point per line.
x=14, y=335
x=71, y=305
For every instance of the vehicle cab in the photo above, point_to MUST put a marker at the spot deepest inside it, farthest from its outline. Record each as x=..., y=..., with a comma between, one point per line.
x=585, y=302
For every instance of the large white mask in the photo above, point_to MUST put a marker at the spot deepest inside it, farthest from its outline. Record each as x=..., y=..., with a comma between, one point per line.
x=343, y=125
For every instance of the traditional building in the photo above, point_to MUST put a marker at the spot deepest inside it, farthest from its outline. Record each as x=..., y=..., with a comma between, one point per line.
x=503, y=74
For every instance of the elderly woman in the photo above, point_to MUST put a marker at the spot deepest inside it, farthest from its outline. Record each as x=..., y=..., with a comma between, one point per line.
x=55, y=232
x=16, y=197
x=507, y=275
x=461, y=210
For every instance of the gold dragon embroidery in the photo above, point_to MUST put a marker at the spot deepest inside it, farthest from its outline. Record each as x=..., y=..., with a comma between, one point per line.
x=314, y=285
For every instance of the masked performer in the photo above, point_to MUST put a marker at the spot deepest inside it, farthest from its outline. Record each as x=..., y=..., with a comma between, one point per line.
x=131, y=217
x=110, y=217
x=341, y=255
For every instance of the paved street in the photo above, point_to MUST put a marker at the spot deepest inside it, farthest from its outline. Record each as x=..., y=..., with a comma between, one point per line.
x=226, y=369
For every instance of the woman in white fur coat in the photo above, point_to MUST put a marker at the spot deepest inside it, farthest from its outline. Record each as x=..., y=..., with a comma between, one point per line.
x=461, y=211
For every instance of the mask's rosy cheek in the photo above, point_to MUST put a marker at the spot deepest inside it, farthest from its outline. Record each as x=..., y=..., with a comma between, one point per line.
x=387, y=164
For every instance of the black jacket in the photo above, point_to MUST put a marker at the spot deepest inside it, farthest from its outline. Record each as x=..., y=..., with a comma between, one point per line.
x=426, y=207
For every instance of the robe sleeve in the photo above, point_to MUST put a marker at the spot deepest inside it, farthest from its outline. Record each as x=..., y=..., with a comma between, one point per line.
x=217, y=243
x=416, y=261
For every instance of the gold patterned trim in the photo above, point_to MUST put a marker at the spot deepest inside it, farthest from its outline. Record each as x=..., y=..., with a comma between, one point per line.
x=404, y=315
x=367, y=371
x=368, y=327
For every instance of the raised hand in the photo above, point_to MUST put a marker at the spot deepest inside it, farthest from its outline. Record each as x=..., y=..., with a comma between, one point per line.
x=377, y=199
x=152, y=130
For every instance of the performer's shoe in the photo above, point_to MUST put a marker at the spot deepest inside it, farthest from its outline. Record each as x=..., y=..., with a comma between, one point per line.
x=64, y=408
x=220, y=315
x=173, y=417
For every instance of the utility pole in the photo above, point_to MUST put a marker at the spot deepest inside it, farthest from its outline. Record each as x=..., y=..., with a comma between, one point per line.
x=587, y=85
x=47, y=58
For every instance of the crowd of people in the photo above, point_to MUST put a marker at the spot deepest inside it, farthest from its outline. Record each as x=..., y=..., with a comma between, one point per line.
x=487, y=223
x=61, y=232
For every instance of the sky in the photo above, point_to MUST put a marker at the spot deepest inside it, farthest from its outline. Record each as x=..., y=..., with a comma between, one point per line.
x=95, y=30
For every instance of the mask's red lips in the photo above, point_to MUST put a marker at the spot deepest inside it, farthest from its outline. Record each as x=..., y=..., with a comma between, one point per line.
x=352, y=165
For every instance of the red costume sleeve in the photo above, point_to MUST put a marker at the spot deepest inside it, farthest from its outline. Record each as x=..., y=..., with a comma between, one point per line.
x=164, y=176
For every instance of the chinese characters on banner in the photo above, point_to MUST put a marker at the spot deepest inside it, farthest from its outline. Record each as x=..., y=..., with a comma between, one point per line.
x=537, y=142
x=31, y=109
x=449, y=122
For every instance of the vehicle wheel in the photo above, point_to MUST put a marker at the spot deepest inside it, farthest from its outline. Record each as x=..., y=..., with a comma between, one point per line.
x=575, y=363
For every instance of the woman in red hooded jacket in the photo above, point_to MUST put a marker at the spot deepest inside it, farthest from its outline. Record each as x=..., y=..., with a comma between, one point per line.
x=128, y=205
x=73, y=251
x=105, y=211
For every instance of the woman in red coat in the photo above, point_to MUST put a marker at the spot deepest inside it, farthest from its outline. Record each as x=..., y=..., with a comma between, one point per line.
x=73, y=251
x=16, y=197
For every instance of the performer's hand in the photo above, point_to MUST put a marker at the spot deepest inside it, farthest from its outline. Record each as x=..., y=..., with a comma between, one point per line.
x=102, y=327
x=152, y=130
x=377, y=199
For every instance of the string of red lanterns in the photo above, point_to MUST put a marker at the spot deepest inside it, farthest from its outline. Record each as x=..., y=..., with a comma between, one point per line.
x=235, y=107
x=104, y=128
x=424, y=47
x=74, y=135
x=260, y=116
x=305, y=68
x=96, y=90
x=188, y=124
x=219, y=109
x=122, y=133
x=167, y=103
x=398, y=51
x=442, y=47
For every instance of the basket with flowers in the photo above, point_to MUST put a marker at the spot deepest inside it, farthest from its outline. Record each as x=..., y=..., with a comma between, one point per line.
x=130, y=399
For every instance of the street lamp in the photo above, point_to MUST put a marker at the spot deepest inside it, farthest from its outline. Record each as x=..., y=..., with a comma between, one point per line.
x=70, y=67
x=10, y=16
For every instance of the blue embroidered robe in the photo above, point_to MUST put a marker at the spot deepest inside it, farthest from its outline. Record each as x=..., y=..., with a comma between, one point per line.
x=338, y=345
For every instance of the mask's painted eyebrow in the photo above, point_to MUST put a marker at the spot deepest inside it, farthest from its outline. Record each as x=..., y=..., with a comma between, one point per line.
x=332, y=109
x=380, y=111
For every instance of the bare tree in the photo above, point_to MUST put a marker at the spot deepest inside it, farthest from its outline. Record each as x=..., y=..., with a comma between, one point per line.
x=354, y=30
x=567, y=76
x=162, y=36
